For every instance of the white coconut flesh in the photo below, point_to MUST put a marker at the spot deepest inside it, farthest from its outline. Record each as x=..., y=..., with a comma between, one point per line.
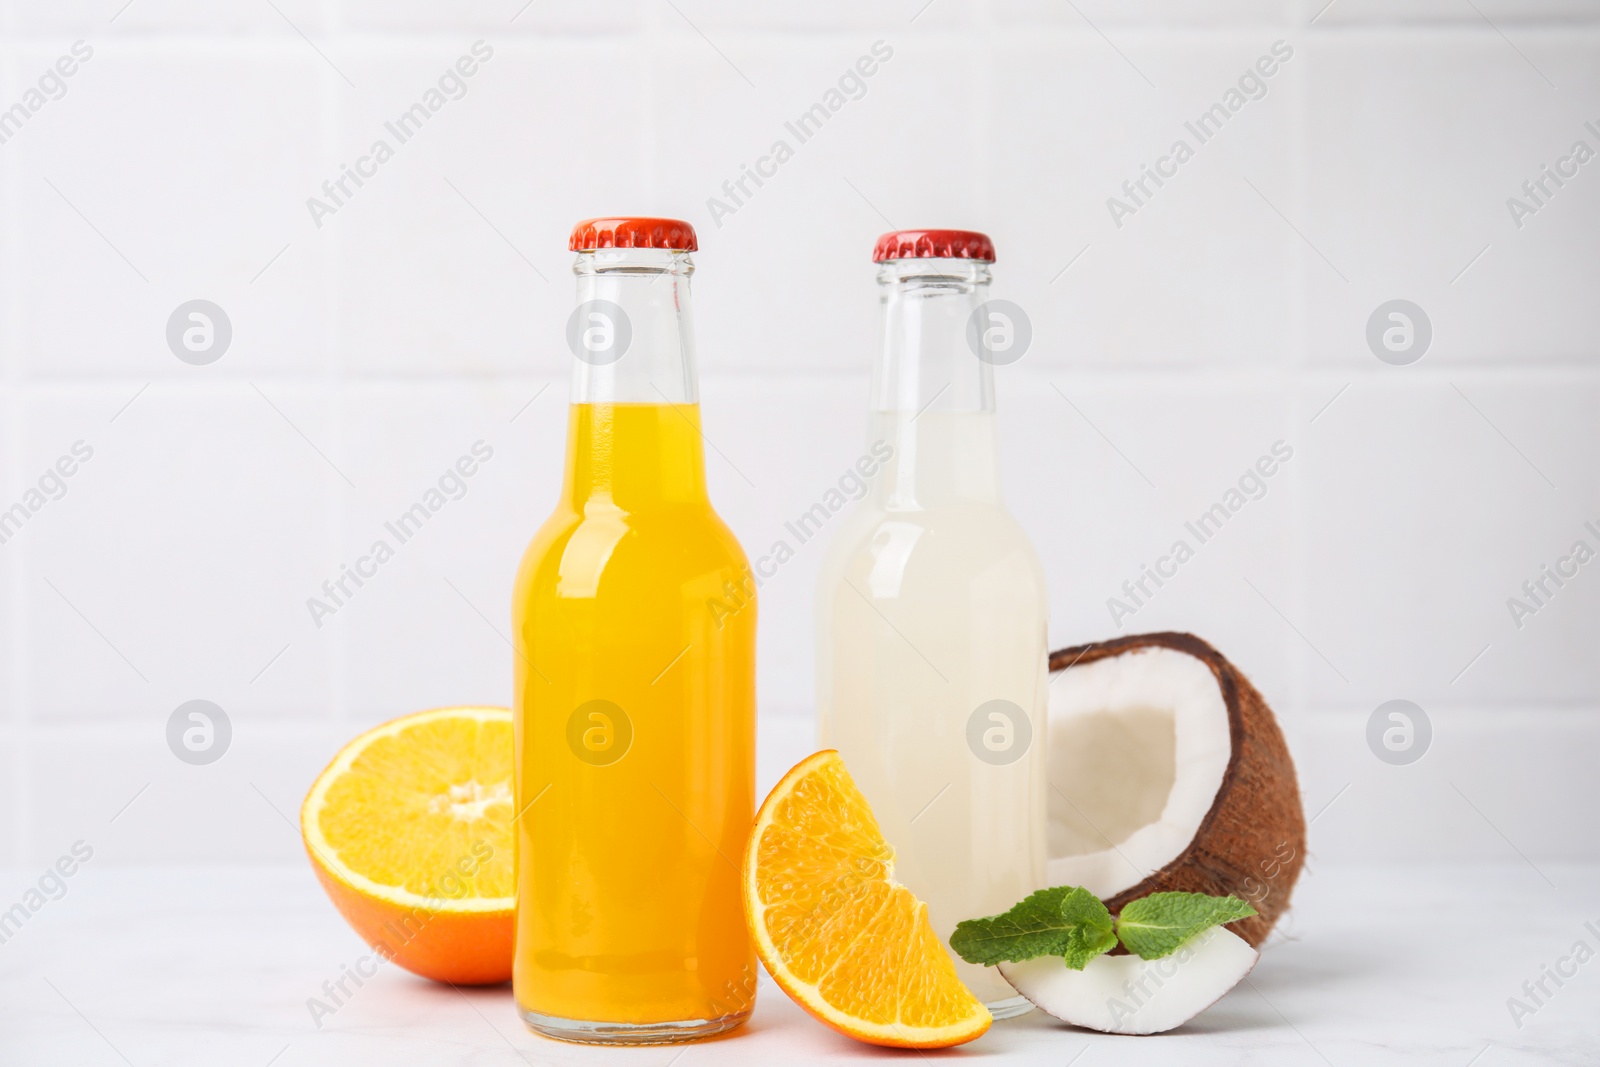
x=1139, y=744
x=1129, y=995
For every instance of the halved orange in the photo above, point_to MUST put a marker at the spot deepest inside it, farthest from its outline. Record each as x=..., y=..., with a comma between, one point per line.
x=846, y=941
x=409, y=831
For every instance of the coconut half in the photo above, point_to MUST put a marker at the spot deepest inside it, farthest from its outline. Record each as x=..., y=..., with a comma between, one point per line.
x=1168, y=773
x=1128, y=995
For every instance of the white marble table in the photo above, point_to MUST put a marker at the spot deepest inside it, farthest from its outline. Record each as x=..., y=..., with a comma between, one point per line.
x=213, y=966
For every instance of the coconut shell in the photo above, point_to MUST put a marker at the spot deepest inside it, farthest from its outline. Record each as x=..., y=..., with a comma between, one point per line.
x=1252, y=843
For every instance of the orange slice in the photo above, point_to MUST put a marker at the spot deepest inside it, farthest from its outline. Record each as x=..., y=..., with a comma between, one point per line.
x=409, y=831
x=846, y=941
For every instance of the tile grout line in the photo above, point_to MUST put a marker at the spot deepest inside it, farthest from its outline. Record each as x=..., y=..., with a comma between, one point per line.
x=330, y=261
x=1487, y=718
x=13, y=660
x=1107, y=373
x=651, y=69
x=1294, y=400
x=653, y=29
x=18, y=719
x=982, y=110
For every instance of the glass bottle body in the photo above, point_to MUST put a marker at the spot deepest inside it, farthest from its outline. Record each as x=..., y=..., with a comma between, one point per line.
x=932, y=625
x=634, y=632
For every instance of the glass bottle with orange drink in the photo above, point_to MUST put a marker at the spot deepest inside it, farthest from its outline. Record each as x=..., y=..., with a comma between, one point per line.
x=634, y=682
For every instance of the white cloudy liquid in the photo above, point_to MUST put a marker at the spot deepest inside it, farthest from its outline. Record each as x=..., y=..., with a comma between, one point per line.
x=932, y=603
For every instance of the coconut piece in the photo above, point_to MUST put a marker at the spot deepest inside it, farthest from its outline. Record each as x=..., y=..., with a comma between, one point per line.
x=1169, y=773
x=1129, y=995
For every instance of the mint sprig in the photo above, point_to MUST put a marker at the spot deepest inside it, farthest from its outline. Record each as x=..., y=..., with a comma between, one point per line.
x=1071, y=922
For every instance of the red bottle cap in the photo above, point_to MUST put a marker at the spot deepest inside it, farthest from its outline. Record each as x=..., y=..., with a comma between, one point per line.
x=934, y=244
x=674, y=234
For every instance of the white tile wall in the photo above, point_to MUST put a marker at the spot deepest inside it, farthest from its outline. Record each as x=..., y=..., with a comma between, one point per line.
x=414, y=635
x=425, y=315
x=1201, y=274
x=1433, y=576
x=501, y=16
x=1459, y=801
x=1449, y=123
x=170, y=170
x=167, y=571
x=1118, y=467
x=474, y=196
x=154, y=18
x=120, y=790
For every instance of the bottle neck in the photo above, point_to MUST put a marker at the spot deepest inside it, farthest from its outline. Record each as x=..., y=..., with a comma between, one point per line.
x=632, y=334
x=932, y=397
x=633, y=439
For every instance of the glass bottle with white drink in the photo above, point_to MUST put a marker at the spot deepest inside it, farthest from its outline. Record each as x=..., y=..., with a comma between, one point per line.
x=932, y=610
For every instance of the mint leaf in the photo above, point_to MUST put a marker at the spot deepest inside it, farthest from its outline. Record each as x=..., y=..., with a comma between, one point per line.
x=1154, y=926
x=1088, y=941
x=1066, y=921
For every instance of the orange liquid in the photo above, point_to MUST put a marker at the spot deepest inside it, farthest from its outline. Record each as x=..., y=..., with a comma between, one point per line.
x=632, y=594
